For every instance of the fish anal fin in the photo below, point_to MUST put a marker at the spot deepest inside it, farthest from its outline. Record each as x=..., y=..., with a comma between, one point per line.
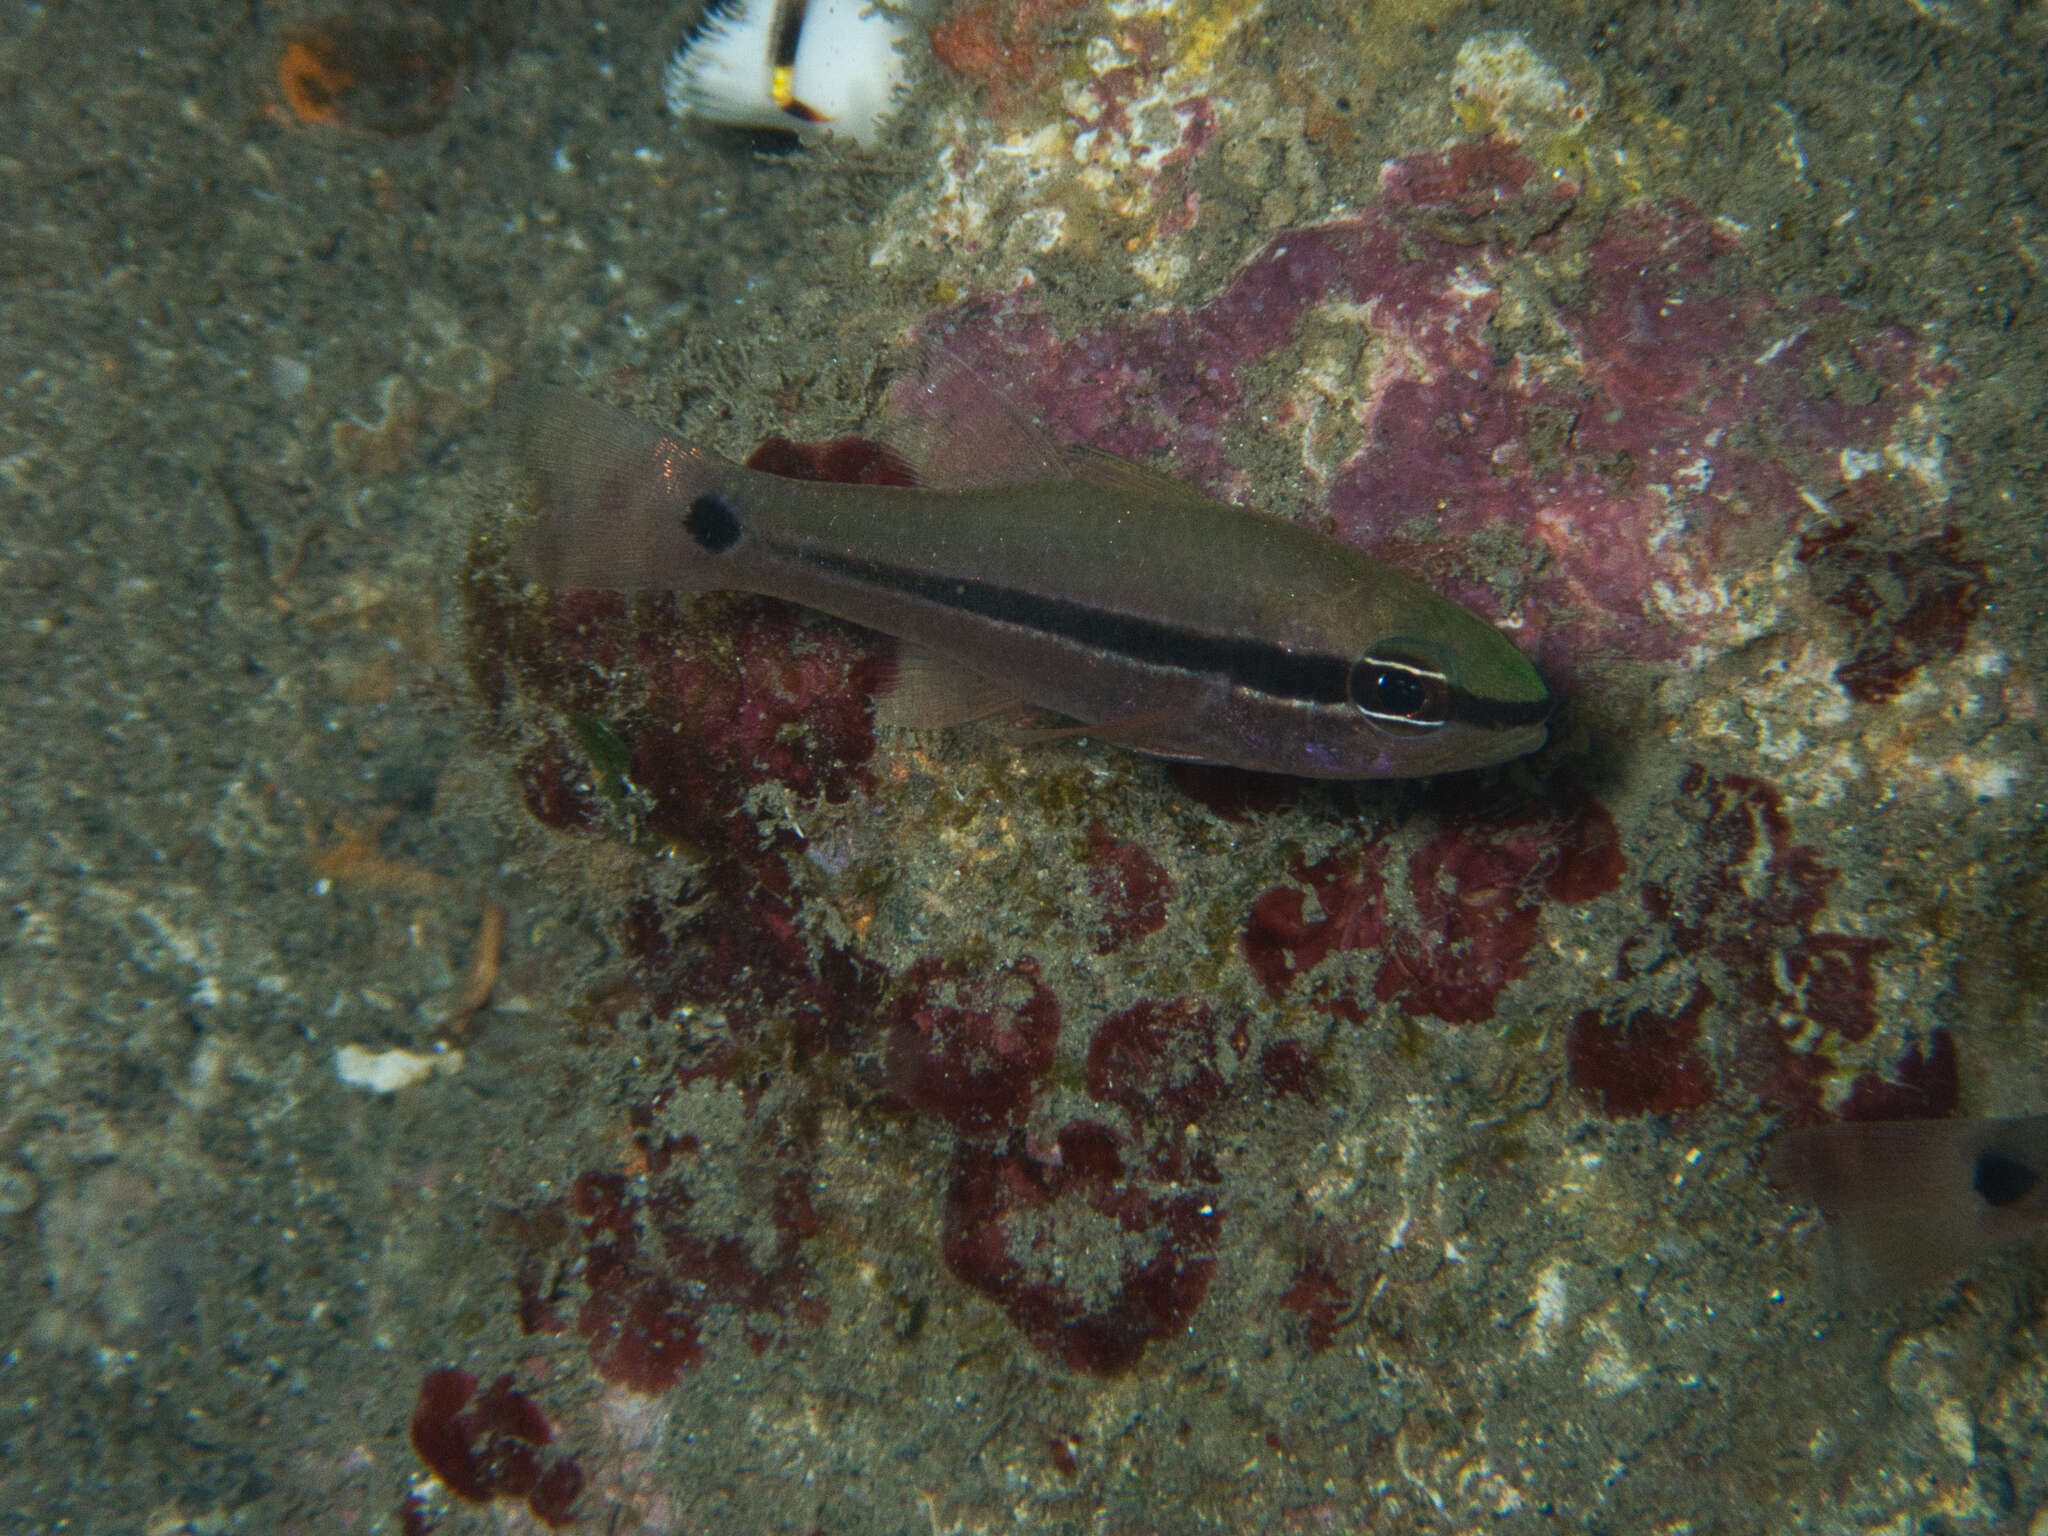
x=958, y=431
x=924, y=690
x=1137, y=732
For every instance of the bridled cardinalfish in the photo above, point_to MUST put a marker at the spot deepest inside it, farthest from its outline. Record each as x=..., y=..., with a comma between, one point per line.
x=1150, y=614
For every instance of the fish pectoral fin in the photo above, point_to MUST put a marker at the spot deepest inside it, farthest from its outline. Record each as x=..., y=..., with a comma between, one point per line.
x=957, y=431
x=924, y=690
x=1136, y=481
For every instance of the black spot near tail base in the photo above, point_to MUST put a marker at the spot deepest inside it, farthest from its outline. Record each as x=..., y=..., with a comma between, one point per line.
x=714, y=523
x=2002, y=1180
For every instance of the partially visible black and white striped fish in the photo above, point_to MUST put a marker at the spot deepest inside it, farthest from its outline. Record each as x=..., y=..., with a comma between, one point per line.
x=791, y=66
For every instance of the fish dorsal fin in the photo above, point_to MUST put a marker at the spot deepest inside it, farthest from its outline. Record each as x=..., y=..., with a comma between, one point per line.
x=958, y=431
x=923, y=690
x=1137, y=481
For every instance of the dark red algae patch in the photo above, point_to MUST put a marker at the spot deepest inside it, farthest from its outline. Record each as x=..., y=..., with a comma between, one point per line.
x=654, y=1275
x=1018, y=1225
x=1283, y=940
x=1234, y=794
x=1478, y=887
x=1904, y=606
x=494, y=1446
x=1644, y=1064
x=1925, y=1084
x=1130, y=887
x=1156, y=1061
x=790, y=697
x=662, y=720
x=846, y=460
x=1766, y=982
x=1322, y=1294
x=968, y=1050
x=1289, y=1067
x=1750, y=907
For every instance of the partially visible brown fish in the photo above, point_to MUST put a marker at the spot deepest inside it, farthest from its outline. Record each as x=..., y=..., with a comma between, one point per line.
x=1912, y=1203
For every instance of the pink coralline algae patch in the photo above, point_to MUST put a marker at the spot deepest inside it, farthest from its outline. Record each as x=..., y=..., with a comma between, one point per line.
x=1656, y=438
x=1478, y=886
x=492, y=1446
x=1481, y=192
x=1767, y=983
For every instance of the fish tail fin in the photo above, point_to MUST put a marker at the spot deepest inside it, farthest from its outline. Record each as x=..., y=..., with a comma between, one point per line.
x=1910, y=1204
x=614, y=494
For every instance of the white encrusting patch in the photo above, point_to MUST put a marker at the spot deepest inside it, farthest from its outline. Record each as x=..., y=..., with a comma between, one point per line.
x=1550, y=1304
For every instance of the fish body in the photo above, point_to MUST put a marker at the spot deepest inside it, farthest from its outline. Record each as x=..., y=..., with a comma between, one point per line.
x=1154, y=616
x=1910, y=1204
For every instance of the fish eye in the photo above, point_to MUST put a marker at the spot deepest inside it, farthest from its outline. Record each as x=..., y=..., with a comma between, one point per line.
x=1399, y=691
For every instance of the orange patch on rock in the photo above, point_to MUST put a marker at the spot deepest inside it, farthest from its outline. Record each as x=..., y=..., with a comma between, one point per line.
x=1012, y=51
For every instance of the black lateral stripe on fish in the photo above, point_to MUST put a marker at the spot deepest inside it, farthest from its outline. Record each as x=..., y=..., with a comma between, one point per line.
x=1256, y=665
x=714, y=523
x=1910, y=1204
x=1150, y=614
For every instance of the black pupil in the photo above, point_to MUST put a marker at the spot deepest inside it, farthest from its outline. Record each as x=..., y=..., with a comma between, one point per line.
x=2002, y=1180
x=1398, y=693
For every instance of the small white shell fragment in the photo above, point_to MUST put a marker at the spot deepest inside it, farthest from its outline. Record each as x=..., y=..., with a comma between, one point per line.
x=845, y=75
x=389, y=1071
